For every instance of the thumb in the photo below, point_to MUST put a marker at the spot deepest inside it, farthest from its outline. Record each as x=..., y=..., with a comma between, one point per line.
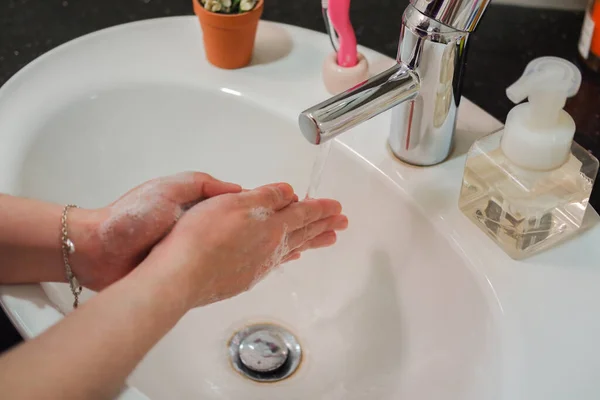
x=192, y=187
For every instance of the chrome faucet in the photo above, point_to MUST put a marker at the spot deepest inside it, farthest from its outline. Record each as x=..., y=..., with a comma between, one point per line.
x=423, y=89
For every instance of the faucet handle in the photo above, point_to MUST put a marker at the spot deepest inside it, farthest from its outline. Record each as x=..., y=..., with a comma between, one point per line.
x=462, y=15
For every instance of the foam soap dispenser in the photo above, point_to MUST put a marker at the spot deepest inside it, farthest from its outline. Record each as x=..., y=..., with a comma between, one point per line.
x=527, y=186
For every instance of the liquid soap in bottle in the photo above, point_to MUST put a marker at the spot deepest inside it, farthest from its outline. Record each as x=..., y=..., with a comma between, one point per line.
x=527, y=186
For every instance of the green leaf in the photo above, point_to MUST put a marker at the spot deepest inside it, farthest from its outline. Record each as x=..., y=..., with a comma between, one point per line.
x=235, y=6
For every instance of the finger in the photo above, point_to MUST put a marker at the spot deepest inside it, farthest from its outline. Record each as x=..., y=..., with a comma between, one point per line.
x=300, y=214
x=295, y=199
x=298, y=237
x=291, y=257
x=325, y=239
x=192, y=187
x=273, y=197
x=215, y=187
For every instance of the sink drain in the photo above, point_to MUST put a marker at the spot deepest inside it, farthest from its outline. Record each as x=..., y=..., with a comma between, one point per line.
x=265, y=353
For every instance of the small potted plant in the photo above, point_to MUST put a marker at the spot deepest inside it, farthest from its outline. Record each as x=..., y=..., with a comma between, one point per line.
x=229, y=30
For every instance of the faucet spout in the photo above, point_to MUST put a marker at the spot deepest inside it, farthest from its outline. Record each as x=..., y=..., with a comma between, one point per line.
x=331, y=117
x=423, y=89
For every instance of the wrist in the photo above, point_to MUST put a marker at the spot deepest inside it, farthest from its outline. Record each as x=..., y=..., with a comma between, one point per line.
x=161, y=277
x=82, y=228
x=169, y=266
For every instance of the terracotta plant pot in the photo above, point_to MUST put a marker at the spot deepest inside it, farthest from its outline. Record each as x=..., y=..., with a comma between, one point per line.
x=229, y=38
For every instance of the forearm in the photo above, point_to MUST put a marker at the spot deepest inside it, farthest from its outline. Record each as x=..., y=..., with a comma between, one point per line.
x=90, y=353
x=30, y=247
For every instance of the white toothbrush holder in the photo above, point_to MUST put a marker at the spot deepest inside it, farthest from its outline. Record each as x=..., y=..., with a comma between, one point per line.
x=338, y=79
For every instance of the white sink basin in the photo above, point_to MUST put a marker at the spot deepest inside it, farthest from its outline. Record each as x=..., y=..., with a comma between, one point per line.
x=413, y=302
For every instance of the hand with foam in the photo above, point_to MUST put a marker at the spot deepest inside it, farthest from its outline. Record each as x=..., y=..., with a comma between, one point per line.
x=214, y=242
x=109, y=242
x=123, y=233
x=222, y=246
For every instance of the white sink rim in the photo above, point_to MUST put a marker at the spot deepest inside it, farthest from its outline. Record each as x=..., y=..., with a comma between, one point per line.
x=518, y=286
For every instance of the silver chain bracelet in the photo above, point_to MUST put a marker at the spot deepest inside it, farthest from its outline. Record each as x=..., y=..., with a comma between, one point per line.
x=68, y=248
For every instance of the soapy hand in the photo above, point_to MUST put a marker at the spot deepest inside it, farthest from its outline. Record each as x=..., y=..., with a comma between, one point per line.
x=224, y=245
x=124, y=232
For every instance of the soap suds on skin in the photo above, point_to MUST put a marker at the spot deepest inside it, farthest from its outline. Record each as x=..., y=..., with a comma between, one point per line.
x=260, y=213
x=281, y=251
x=146, y=206
x=274, y=261
x=146, y=203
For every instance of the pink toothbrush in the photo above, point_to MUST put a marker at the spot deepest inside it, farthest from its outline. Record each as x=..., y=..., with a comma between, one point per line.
x=339, y=13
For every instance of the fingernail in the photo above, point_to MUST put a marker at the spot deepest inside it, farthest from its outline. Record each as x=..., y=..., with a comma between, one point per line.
x=286, y=190
x=285, y=187
x=339, y=206
x=340, y=223
x=329, y=238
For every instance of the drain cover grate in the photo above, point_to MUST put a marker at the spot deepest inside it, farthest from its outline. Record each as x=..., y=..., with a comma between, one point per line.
x=265, y=353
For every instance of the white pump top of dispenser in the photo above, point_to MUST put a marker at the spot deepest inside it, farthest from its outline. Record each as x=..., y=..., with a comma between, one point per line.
x=538, y=134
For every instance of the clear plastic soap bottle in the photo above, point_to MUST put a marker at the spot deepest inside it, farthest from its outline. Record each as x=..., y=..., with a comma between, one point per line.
x=527, y=186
